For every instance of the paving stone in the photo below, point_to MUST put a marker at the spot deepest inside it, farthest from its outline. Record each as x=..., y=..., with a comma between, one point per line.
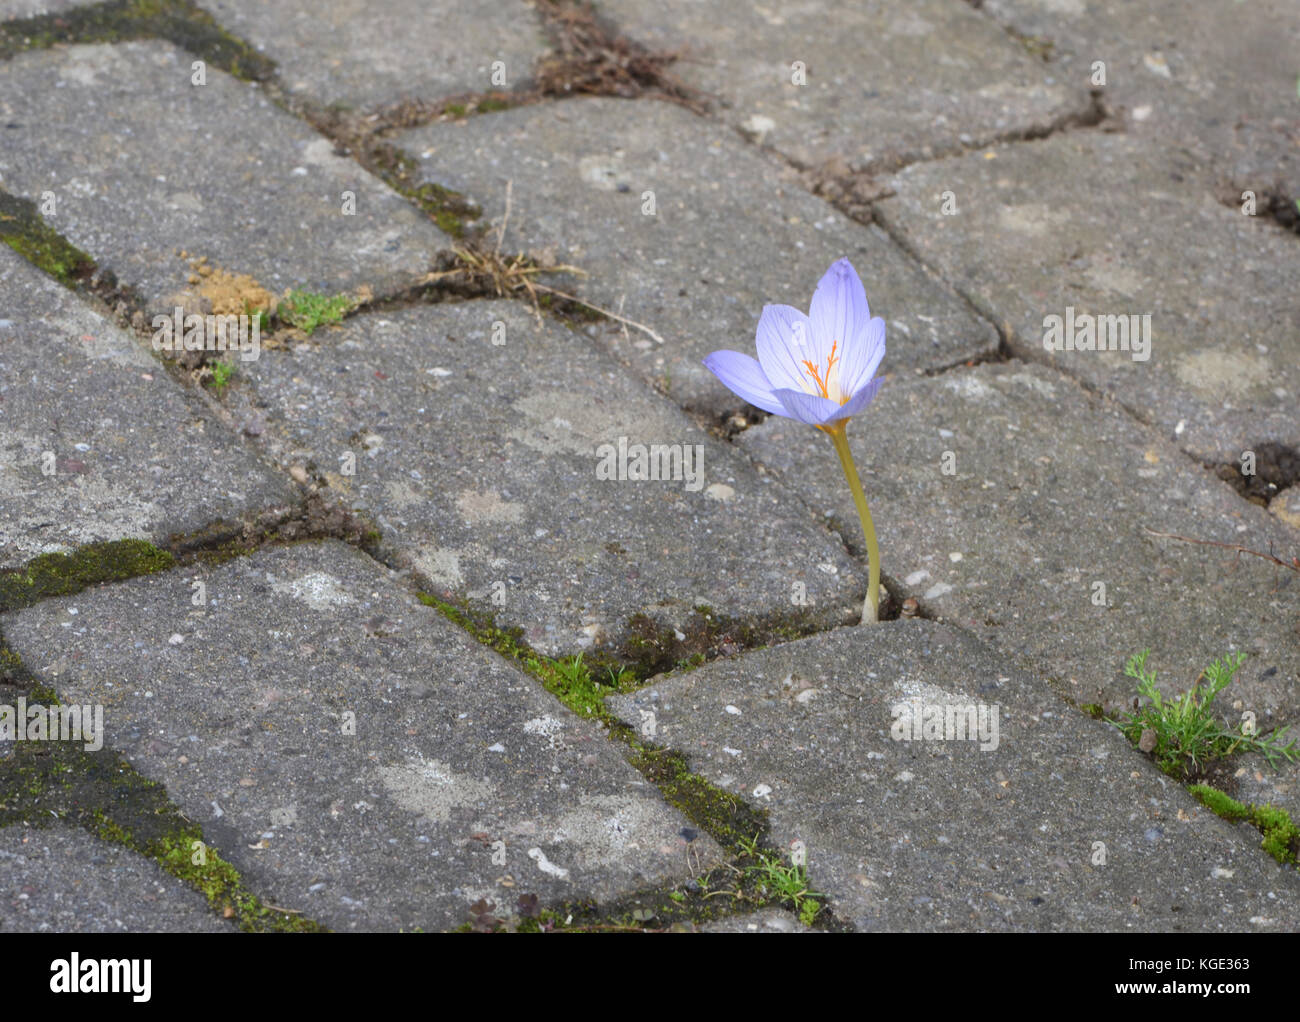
x=885, y=81
x=730, y=233
x=134, y=455
x=1052, y=493
x=356, y=54
x=985, y=834
x=479, y=462
x=1217, y=79
x=31, y=8
x=243, y=713
x=142, y=164
x=66, y=881
x=1109, y=225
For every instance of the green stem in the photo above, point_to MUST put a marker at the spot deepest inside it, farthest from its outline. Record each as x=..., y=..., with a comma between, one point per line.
x=870, y=608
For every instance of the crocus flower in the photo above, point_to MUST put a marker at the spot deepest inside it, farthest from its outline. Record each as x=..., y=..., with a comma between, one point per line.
x=819, y=369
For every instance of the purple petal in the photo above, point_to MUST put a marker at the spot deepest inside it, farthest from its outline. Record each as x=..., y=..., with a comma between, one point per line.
x=862, y=357
x=839, y=310
x=812, y=409
x=781, y=328
x=858, y=401
x=744, y=377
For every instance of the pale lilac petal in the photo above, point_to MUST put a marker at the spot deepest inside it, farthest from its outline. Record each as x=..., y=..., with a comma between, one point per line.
x=858, y=401
x=862, y=357
x=812, y=409
x=839, y=310
x=744, y=377
x=784, y=341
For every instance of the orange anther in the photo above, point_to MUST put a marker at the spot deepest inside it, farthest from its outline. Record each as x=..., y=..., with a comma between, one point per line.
x=816, y=373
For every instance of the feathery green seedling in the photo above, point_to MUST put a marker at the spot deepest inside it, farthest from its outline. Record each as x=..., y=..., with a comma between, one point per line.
x=1186, y=733
x=307, y=310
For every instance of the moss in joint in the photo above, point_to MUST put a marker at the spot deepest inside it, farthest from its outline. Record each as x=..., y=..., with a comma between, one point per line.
x=1281, y=836
x=64, y=574
x=23, y=230
x=178, y=21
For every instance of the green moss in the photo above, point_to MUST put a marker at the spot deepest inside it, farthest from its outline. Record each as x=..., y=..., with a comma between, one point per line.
x=65, y=574
x=651, y=647
x=455, y=109
x=726, y=818
x=309, y=310
x=1281, y=836
x=449, y=209
x=181, y=22
x=23, y=230
x=491, y=105
x=45, y=783
x=579, y=684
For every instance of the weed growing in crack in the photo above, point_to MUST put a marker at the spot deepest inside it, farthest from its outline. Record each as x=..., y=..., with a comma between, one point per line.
x=221, y=372
x=309, y=311
x=1183, y=735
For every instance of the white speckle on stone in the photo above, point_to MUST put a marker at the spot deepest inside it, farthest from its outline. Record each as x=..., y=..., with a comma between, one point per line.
x=719, y=491
x=299, y=172
x=549, y=728
x=176, y=638
x=875, y=755
x=318, y=590
x=731, y=752
x=1157, y=65
x=546, y=866
x=762, y=791
x=946, y=433
x=1182, y=425
x=935, y=591
x=1219, y=873
x=1141, y=113
x=954, y=557
x=806, y=696
x=917, y=577
x=906, y=775
x=679, y=636
x=496, y=748
x=828, y=568
x=733, y=710
x=438, y=371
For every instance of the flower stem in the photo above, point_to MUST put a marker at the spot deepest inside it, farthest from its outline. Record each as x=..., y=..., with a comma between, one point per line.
x=871, y=607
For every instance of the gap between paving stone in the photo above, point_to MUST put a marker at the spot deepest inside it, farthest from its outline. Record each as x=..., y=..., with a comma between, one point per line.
x=67, y=881
x=1083, y=245
x=521, y=526
x=431, y=755
x=50, y=782
x=1048, y=823
x=671, y=270
x=1012, y=543
x=288, y=180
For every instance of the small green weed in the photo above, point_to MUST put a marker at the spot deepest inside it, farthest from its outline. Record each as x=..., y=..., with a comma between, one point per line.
x=221, y=374
x=308, y=310
x=1182, y=735
x=774, y=878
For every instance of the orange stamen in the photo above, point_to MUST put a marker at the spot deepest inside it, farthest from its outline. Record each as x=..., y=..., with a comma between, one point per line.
x=816, y=373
